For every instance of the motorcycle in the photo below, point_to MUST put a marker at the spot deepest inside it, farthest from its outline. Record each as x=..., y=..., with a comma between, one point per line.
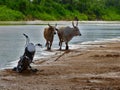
x=27, y=58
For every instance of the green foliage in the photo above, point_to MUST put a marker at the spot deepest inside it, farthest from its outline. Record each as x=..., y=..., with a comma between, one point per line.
x=111, y=14
x=7, y=14
x=44, y=16
x=59, y=9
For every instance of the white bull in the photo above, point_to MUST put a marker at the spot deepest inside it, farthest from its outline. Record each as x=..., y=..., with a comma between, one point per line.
x=65, y=34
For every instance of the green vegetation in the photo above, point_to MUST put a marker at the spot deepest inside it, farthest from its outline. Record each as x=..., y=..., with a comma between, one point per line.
x=15, y=10
x=9, y=14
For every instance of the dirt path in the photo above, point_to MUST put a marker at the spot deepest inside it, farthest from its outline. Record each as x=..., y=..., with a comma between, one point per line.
x=96, y=68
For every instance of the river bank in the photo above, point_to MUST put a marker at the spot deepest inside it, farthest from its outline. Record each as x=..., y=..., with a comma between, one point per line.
x=94, y=68
x=38, y=22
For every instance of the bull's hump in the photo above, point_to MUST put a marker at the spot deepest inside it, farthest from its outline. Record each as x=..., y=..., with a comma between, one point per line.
x=64, y=28
x=67, y=28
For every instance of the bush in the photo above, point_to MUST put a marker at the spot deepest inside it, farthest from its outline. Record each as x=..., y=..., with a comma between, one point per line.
x=59, y=10
x=111, y=14
x=7, y=14
x=44, y=16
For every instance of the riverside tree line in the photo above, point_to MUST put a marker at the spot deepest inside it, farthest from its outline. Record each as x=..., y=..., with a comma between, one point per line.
x=59, y=10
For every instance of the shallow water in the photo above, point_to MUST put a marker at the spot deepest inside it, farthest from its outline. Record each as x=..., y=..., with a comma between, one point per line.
x=12, y=42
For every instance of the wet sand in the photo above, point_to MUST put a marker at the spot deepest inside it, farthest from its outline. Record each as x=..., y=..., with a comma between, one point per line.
x=94, y=68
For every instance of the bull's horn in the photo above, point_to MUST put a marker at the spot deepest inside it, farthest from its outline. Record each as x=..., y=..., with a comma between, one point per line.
x=77, y=23
x=73, y=24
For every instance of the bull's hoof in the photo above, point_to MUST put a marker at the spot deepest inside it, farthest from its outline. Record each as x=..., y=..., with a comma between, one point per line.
x=49, y=48
x=67, y=47
x=60, y=49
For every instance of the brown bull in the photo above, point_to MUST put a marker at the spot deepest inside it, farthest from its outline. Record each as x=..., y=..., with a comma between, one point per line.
x=49, y=35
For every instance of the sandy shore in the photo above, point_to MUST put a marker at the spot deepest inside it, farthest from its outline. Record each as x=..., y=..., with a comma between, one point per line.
x=96, y=68
x=39, y=22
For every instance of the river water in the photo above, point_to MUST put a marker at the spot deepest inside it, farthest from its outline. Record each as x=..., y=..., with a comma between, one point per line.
x=12, y=42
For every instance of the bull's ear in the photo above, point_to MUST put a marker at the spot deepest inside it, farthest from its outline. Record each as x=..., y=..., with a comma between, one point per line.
x=73, y=24
x=49, y=25
x=56, y=29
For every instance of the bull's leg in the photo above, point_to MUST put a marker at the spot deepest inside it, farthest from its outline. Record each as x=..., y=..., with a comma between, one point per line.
x=60, y=44
x=50, y=45
x=67, y=47
x=48, y=48
x=47, y=45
